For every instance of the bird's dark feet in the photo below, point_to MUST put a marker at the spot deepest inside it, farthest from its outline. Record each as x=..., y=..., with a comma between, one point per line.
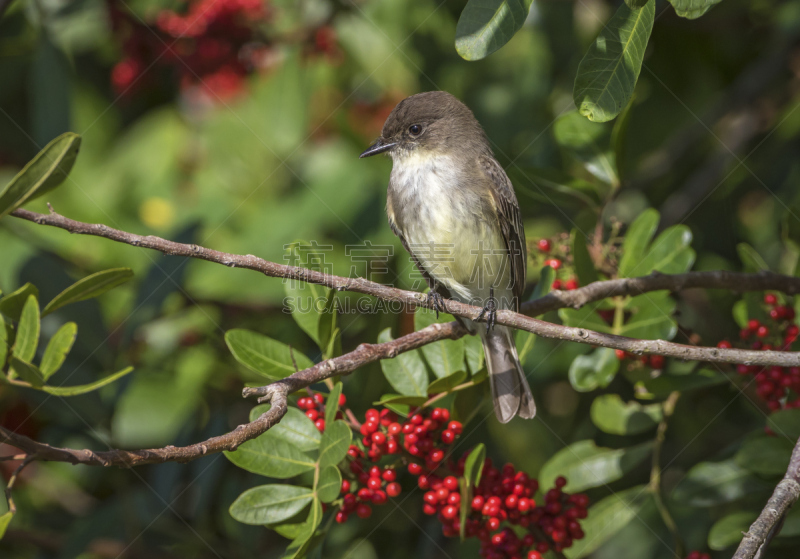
x=489, y=312
x=436, y=301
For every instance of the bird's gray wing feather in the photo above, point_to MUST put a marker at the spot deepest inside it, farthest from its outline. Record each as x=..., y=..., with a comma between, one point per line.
x=434, y=286
x=510, y=221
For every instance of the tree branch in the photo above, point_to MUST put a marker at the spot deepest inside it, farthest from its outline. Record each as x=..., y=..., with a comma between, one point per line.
x=768, y=523
x=508, y=318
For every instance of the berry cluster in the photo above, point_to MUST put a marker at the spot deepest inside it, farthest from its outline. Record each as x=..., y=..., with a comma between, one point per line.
x=314, y=406
x=698, y=555
x=779, y=387
x=503, y=496
x=653, y=361
x=545, y=248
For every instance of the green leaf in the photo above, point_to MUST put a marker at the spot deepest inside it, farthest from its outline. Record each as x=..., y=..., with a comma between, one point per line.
x=766, y=456
x=57, y=349
x=608, y=73
x=89, y=287
x=332, y=403
x=447, y=383
x=614, y=416
x=84, y=388
x=445, y=357
x=265, y=356
x=693, y=9
x=271, y=456
x=728, y=530
x=295, y=428
x=473, y=354
x=664, y=384
x=330, y=484
x=594, y=370
x=269, y=504
x=545, y=283
x=400, y=399
x=637, y=238
x=584, y=266
x=652, y=317
x=334, y=445
x=487, y=25
x=561, y=189
x=589, y=143
x=670, y=253
x=635, y=4
x=27, y=338
x=714, y=483
x=606, y=518
x=5, y=520
x=473, y=469
x=585, y=317
x=753, y=262
x=586, y=465
x=42, y=174
x=619, y=133
x=786, y=423
x=27, y=372
x=11, y=305
x=307, y=537
x=406, y=372
x=3, y=342
x=313, y=309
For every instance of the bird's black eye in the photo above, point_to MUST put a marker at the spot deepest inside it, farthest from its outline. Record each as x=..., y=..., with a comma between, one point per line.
x=415, y=129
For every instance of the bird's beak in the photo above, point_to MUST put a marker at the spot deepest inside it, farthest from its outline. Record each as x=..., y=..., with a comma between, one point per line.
x=378, y=146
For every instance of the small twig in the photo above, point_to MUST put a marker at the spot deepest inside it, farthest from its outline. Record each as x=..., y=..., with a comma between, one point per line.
x=767, y=525
x=12, y=507
x=668, y=408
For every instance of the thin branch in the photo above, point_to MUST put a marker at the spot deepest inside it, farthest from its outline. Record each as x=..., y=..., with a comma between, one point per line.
x=505, y=317
x=12, y=507
x=767, y=525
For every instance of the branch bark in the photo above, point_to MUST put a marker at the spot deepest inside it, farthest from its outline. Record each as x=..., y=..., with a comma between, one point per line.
x=768, y=524
x=278, y=392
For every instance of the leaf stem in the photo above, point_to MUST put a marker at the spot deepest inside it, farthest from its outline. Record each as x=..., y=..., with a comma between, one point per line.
x=668, y=408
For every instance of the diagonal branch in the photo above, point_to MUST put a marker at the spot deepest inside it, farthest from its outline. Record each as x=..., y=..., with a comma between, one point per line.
x=769, y=522
x=509, y=318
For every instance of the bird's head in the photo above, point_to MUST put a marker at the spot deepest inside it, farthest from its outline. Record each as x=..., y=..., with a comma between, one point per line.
x=429, y=123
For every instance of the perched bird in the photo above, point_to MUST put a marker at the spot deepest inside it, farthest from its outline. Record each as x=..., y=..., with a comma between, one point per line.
x=454, y=209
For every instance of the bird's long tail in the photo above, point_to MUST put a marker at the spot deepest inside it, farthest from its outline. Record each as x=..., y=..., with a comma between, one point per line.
x=510, y=391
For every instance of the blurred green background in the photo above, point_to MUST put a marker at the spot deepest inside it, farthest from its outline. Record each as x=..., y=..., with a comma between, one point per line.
x=256, y=145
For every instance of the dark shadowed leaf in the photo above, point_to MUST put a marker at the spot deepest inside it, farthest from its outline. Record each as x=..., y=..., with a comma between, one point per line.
x=27, y=372
x=664, y=384
x=42, y=174
x=3, y=342
x=90, y=286
x=406, y=372
x=585, y=317
x=263, y=355
x=589, y=142
x=714, y=483
x=270, y=504
x=584, y=267
x=473, y=468
x=330, y=483
x=637, y=238
x=387, y=399
x=586, y=465
x=786, y=423
x=294, y=428
x=614, y=416
x=487, y=25
x=270, y=456
x=766, y=456
x=307, y=537
x=728, y=530
x=606, y=518
x=652, y=317
x=669, y=253
x=554, y=187
x=334, y=444
x=594, y=370
x=27, y=338
x=5, y=519
x=753, y=262
x=693, y=9
x=608, y=73
x=445, y=357
x=57, y=349
x=312, y=306
x=447, y=383
x=473, y=353
x=11, y=305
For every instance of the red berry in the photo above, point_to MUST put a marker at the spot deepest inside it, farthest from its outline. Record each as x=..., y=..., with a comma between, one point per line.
x=561, y=481
x=389, y=474
x=374, y=483
x=393, y=489
x=657, y=361
x=556, y=284
x=511, y=501
x=379, y=497
x=762, y=331
x=724, y=344
x=554, y=263
x=571, y=284
x=533, y=554
x=544, y=245
x=770, y=299
x=363, y=510
x=319, y=398
x=477, y=502
x=441, y=494
x=448, y=436
x=455, y=427
x=450, y=483
x=493, y=523
x=428, y=509
x=437, y=455
x=753, y=324
x=320, y=425
x=454, y=498
x=450, y=512
x=345, y=486
x=342, y=399
x=378, y=438
x=394, y=428
x=341, y=517
x=313, y=415
x=414, y=469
